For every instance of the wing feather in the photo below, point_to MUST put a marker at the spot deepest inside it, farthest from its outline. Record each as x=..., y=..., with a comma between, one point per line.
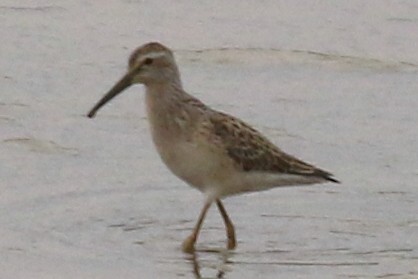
x=251, y=151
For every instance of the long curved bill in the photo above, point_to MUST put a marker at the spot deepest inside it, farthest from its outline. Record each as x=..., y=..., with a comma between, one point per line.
x=121, y=85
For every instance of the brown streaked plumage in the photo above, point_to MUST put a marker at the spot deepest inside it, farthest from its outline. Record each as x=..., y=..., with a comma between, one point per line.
x=254, y=152
x=214, y=152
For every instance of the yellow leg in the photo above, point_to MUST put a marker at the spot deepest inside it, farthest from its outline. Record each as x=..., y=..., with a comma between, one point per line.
x=230, y=231
x=188, y=243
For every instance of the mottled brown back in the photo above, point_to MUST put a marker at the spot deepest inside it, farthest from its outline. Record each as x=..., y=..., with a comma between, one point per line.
x=254, y=152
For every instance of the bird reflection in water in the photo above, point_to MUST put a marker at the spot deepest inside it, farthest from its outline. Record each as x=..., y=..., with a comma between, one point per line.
x=220, y=264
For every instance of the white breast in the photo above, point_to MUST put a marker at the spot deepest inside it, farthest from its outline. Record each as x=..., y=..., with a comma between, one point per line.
x=184, y=158
x=189, y=162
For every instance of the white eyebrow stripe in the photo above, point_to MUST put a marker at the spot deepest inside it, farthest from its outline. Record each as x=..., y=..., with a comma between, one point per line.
x=155, y=55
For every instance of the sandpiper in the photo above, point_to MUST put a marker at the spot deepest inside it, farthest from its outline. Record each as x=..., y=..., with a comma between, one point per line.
x=214, y=152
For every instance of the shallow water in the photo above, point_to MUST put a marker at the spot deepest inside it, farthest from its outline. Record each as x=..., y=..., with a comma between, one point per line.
x=334, y=85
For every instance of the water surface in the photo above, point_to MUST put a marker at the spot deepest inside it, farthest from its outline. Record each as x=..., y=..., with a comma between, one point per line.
x=333, y=84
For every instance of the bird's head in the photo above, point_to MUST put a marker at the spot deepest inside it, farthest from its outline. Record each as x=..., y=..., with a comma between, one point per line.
x=149, y=64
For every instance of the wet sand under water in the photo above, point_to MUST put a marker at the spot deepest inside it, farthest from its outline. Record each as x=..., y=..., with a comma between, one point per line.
x=91, y=199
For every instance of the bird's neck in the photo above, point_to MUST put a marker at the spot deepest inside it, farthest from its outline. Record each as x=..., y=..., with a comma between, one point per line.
x=163, y=89
x=163, y=96
x=164, y=106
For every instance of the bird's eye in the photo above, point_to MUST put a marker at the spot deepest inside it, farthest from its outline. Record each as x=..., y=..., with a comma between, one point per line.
x=148, y=61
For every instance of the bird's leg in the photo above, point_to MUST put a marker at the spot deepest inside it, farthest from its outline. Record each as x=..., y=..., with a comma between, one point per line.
x=230, y=231
x=188, y=243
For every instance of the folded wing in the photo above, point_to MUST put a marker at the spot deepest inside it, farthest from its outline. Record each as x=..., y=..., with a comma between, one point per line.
x=251, y=151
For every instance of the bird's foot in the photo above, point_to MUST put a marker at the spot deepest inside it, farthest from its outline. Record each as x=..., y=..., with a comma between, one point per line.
x=232, y=243
x=188, y=244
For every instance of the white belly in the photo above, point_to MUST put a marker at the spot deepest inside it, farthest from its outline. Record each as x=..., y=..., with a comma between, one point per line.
x=216, y=176
x=194, y=165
